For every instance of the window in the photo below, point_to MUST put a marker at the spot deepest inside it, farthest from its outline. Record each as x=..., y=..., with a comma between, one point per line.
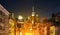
x=0, y=12
x=0, y=19
x=3, y=14
x=0, y=27
x=0, y=33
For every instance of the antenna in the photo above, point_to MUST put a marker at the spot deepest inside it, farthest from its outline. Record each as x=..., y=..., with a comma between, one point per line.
x=33, y=9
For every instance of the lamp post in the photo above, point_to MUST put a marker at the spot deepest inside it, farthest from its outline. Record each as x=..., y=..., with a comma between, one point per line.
x=19, y=24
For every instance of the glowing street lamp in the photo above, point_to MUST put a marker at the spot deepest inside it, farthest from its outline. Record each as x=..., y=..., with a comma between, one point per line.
x=20, y=17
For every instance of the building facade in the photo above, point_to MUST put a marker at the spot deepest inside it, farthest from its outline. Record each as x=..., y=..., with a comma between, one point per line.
x=4, y=21
x=56, y=22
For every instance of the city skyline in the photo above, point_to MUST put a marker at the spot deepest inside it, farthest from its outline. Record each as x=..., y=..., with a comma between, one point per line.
x=30, y=18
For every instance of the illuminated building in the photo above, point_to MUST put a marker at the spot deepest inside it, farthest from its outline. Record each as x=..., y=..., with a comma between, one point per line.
x=56, y=22
x=52, y=30
x=41, y=29
x=49, y=28
x=12, y=24
x=4, y=21
x=45, y=30
x=28, y=27
x=32, y=26
x=48, y=25
x=19, y=25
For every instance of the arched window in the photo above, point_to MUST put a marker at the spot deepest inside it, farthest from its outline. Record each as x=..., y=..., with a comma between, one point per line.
x=0, y=27
x=0, y=12
x=0, y=20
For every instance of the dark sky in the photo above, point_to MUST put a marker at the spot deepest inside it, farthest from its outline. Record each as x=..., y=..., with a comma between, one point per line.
x=24, y=7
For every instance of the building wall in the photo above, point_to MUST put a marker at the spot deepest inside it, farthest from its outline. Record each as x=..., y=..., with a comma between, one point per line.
x=4, y=21
x=57, y=30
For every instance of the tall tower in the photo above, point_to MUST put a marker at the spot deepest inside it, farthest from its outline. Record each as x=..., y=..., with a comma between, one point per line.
x=34, y=22
x=33, y=13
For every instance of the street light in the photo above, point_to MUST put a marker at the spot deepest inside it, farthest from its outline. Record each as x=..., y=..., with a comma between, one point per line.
x=20, y=17
x=19, y=24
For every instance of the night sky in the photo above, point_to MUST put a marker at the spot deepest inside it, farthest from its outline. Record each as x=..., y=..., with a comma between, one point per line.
x=24, y=7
